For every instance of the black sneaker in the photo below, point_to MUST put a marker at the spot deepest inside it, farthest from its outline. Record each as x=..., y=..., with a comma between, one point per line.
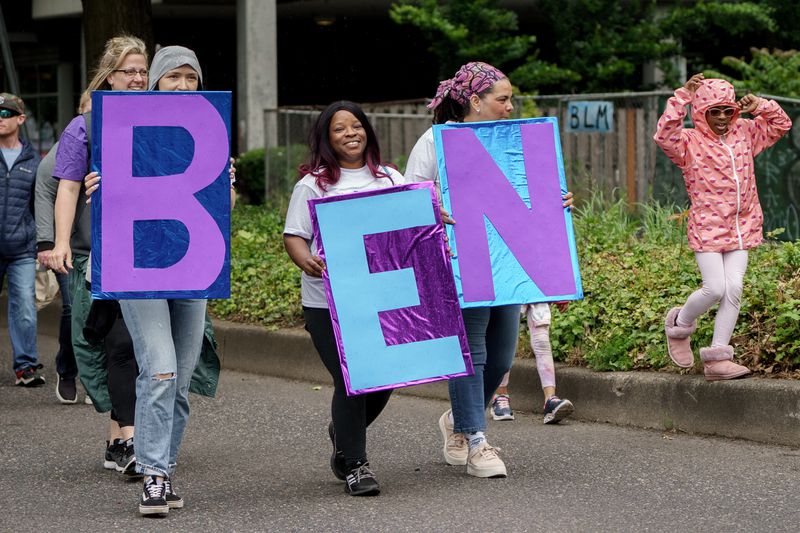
x=337, y=457
x=125, y=460
x=66, y=390
x=173, y=500
x=361, y=481
x=29, y=377
x=112, y=452
x=153, y=500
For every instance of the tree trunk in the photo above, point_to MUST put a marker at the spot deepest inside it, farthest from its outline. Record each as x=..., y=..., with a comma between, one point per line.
x=103, y=20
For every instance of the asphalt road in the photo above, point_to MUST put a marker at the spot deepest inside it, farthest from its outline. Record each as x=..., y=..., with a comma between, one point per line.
x=256, y=459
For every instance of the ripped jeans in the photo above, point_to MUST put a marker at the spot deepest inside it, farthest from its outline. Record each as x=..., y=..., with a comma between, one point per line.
x=167, y=339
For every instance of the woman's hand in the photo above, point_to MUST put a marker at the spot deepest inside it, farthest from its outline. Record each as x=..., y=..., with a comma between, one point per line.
x=749, y=103
x=694, y=82
x=233, y=171
x=60, y=259
x=446, y=218
x=312, y=265
x=567, y=200
x=91, y=182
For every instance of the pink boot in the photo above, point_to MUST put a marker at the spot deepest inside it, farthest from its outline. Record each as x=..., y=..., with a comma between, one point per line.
x=678, y=345
x=718, y=364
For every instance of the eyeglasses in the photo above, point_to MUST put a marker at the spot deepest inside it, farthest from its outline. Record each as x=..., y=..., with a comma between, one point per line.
x=726, y=112
x=132, y=72
x=7, y=113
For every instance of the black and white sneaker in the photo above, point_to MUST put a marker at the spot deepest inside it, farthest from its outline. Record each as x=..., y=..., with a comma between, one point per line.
x=66, y=390
x=126, y=458
x=111, y=454
x=361, y=481
x=173, y=500
x=153, y=500
x=556, y=410
x=337, y=457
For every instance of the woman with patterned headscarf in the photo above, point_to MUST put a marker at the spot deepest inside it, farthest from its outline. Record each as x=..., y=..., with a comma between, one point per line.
x=478, y=92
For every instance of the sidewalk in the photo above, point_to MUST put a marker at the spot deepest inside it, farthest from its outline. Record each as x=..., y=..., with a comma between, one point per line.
x=757, y=409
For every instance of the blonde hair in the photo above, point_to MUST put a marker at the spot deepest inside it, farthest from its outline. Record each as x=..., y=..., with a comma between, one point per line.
x=116, y=50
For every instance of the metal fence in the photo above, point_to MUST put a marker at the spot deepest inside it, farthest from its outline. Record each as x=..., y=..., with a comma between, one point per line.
x=622, y=160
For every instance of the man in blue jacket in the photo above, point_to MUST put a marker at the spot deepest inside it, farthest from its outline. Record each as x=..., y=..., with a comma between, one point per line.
x=18, y=239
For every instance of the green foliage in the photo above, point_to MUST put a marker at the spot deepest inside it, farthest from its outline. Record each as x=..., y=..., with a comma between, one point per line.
x=465, y=30
x=265, y=284
x=634, y=268
x=250, y=176
x=776, y=72
x=283, y=163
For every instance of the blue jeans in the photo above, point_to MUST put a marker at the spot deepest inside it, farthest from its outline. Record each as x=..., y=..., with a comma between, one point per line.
x=167, y=338
x=492, y=334
x=65, y=358
x=21, y=309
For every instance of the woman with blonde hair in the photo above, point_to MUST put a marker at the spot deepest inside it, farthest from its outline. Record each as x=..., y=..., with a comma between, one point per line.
x=109, y=376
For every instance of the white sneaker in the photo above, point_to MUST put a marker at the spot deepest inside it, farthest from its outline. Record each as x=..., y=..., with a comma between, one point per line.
x=483, y=461
x=455, y=447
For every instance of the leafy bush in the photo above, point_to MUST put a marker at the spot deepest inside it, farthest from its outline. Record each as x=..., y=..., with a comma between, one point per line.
x=634, y=268
x=283, y=163
x=265, y=284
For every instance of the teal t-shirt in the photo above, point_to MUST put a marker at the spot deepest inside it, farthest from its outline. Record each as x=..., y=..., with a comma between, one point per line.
x=11, y=155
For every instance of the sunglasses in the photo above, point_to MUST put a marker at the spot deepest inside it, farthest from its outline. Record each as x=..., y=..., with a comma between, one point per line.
x=7, y=113
x=726, y=112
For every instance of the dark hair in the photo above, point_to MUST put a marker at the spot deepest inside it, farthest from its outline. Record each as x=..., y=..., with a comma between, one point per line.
x=450, y=110
x=323, y=163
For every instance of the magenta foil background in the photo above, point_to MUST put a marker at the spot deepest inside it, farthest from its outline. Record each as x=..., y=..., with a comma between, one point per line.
x=422, y=248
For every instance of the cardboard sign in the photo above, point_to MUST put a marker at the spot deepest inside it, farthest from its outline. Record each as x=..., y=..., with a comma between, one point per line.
x=390, y=288
x=503, y=184
x=161, y=217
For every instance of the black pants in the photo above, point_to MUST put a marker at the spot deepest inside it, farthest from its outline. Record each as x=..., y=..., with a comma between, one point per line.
x=351, y=414
x=122, y=373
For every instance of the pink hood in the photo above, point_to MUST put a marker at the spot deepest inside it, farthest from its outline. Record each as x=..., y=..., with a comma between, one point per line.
x=711, y=93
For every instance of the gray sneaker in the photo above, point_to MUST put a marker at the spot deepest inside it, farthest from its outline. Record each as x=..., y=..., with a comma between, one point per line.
x=483, y=461
x=455, y=447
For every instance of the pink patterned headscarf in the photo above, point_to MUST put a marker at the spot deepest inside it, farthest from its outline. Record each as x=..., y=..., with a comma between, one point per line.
x=472, y=78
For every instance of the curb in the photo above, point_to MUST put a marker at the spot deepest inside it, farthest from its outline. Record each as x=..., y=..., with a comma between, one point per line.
x=757, y=409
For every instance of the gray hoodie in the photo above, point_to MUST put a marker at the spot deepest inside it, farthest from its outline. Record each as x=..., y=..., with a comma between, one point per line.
x=171, y=57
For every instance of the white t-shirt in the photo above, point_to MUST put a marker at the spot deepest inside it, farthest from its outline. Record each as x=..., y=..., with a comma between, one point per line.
x=298, y=217
x=421, y=165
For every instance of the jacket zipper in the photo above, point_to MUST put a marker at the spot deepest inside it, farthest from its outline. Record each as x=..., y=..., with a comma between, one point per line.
x=738, y=193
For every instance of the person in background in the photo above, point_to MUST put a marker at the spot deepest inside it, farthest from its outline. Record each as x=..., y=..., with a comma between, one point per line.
x=555, y=409
x=725, y=219
x=18, y=166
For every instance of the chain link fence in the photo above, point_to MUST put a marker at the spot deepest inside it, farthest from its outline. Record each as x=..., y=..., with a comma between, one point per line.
x=607, y=146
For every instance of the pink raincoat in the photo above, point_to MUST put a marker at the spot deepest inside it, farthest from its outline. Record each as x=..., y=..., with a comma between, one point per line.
x=718, y=171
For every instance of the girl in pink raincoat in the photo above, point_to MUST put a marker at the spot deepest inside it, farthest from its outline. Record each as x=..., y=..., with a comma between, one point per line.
x=725, y=218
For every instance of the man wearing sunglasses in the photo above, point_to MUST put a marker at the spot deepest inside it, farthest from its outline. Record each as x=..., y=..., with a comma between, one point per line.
x=18, y=239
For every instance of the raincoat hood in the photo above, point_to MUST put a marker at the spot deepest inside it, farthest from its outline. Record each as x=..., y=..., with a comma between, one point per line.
x=712, y=92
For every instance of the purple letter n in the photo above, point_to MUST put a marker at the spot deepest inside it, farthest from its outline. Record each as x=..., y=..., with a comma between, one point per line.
x=127, y=199
x=536, y=236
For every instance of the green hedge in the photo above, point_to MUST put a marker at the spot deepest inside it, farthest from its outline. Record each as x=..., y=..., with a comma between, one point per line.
x=633, y=269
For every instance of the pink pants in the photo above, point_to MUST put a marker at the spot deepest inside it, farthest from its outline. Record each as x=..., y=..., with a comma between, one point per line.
x=539, y=326
x=723, y=274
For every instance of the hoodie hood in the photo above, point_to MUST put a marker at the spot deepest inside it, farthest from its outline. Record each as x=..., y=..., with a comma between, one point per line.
x=171, y=57
x=712, y=92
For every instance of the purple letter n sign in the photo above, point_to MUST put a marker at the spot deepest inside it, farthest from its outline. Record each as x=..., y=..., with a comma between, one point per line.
x=513, y=241
x=390, y=288
x=161, y=218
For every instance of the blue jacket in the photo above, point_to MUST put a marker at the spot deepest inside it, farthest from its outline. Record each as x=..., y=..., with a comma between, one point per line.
x=17, y=224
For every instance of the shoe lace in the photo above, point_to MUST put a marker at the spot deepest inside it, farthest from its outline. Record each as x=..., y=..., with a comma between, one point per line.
x=167, y=486
x=456, y=440
x=488, y=451
x=153, y=490
x=502, y=402
x=357, y=474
